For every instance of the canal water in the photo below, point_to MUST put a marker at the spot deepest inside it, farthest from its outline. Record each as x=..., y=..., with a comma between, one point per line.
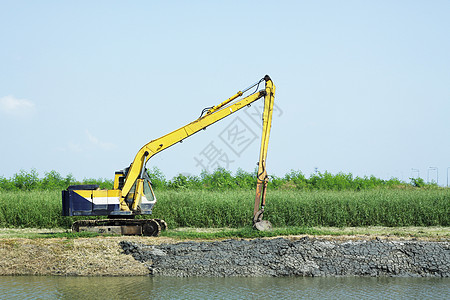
x=48, y=287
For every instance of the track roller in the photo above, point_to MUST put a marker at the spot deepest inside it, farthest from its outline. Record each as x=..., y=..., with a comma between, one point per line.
x=146, y=227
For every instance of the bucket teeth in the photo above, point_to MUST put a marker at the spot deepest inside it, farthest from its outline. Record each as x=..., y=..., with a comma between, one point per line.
x=259, y=223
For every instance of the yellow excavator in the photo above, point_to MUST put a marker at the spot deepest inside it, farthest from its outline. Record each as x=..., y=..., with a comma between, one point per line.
x=132, y=194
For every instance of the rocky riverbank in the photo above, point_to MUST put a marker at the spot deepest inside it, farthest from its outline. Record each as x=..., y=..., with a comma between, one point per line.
x=294, y=257
x=370, y=251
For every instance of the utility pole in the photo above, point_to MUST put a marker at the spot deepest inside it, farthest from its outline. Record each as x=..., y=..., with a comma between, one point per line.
x=447, y=175
x=437, y=174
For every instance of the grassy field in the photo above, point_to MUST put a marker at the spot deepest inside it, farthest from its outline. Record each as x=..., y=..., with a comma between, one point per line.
x=233, y=208
x=430, y=233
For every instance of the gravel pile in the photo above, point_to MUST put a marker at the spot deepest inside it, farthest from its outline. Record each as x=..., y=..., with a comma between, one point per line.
x=303, y=257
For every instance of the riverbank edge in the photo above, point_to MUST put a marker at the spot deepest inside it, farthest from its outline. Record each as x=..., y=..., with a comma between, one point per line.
x=104, y=256
x=288, y=256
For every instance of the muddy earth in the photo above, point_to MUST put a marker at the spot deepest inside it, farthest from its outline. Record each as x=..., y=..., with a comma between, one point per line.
x=294, y=257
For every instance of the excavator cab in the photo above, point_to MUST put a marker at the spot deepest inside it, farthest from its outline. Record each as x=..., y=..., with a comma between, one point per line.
x=141, y=197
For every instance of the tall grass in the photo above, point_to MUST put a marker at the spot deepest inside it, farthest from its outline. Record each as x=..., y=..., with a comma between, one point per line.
x=378, y=207
x=234, y=208
x=39, y=209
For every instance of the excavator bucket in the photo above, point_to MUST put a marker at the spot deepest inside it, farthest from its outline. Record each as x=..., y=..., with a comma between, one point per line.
x=259, y=223
x=263, y=225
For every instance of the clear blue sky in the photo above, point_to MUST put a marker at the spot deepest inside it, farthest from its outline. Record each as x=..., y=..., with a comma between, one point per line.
x=362, y=86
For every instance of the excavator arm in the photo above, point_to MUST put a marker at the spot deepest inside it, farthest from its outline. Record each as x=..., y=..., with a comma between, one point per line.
x=262, y=177
x=212, y=115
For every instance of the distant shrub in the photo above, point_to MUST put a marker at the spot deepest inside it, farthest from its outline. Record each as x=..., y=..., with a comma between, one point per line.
x=417, y=182
x=220, y=179
x=26, y=181
x=157, y=178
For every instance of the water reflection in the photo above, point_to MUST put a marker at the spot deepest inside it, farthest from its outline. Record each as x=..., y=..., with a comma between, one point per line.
x=47, y=287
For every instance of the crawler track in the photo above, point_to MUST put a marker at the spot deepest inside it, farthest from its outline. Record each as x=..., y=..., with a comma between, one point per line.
x=146, y=227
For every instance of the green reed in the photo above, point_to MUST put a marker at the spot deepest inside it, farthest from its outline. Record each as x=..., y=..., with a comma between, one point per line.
x=234, y=208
